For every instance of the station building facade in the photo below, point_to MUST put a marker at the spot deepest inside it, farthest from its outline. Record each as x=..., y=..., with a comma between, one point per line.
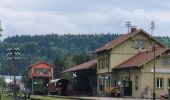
x=128, y=62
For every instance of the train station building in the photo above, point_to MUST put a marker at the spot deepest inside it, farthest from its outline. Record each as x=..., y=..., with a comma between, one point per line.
x=128, y=63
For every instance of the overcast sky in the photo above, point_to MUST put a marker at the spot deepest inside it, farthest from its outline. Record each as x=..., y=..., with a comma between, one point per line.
x=82, y=16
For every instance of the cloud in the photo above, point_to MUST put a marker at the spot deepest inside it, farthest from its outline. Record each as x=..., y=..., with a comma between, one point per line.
x=74, y=16
x=34, y=22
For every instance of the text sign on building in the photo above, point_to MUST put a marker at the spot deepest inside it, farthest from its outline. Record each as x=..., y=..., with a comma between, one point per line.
x=165, y=71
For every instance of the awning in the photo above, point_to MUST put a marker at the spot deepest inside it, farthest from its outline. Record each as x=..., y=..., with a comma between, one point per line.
x=82, y=66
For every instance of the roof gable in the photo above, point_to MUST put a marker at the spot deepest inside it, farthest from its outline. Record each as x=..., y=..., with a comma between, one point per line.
x=41, y=63
x=123, y=38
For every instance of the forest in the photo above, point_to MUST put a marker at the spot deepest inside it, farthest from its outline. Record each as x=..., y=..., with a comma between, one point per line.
x=63, y=51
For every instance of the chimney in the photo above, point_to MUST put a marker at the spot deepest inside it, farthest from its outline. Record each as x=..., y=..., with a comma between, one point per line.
x=133, y=29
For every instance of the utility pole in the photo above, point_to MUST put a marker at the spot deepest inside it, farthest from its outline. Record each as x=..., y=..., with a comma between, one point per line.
x=12, y=55
x=0, y=35
x=154, y=48
x=128, y=25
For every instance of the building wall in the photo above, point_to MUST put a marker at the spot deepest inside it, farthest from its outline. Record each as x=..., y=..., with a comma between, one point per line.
x=125, y=50
x=102, y=82
x=103, y=58
x=147, y=76
x=124, y=75
x=121, y=53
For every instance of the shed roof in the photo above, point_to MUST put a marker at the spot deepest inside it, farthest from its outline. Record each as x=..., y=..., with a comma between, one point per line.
x=82, y=66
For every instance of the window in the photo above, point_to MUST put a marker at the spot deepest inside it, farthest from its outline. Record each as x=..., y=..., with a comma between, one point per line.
x=168, y=82
x=159, y=83
x=99, y=63
x=107, y=61
x=136, y=82
x=138, y=44
x=166, y=61
x=103, y=62
x=122, y=78
x=126, y=78
x=41, y=71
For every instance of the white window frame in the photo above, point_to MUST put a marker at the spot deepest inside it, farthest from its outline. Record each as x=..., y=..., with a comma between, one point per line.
x=136, y=83
x=158, y=83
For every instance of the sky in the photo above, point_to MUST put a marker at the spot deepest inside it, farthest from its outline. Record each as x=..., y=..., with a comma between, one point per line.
x=82, y=16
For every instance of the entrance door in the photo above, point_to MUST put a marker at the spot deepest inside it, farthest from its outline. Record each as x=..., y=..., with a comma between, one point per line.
x=127, y=88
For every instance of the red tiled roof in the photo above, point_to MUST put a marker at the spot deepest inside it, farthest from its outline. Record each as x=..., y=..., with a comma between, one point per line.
x=82, y=66
x=140, y=58
x=116, y=41
x=40, y=63
x=121, y=39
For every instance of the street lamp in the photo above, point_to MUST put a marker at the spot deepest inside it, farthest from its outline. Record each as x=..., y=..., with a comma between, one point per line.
x=13, y=55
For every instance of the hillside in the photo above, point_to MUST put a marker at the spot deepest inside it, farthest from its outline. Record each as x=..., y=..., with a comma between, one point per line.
x=61, y=50
x=52, y=47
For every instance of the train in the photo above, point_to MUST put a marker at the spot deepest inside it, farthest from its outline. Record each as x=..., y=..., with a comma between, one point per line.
x=63, y=87
x=59, y=87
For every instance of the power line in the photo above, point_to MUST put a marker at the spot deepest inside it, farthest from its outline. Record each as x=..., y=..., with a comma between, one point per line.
x=13, y=54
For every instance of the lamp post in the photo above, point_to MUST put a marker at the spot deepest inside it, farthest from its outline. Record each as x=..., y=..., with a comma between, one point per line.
x=12, y=55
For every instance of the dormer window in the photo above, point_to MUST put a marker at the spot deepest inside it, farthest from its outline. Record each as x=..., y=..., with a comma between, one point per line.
x=138, y=44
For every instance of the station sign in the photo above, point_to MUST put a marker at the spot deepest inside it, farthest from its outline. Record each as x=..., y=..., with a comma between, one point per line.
x=164, y=71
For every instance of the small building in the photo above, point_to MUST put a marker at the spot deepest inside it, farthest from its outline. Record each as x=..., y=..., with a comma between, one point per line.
x=39, y=75
x=84, y=78
x=128, y=63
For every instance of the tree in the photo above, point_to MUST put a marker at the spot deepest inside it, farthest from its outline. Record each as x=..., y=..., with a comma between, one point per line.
x=58, y=67
x=25, y=79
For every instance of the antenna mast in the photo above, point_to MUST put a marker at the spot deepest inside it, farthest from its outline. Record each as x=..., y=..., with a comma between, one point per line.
x=0, y=29
x=128, y=25
x=152, y=27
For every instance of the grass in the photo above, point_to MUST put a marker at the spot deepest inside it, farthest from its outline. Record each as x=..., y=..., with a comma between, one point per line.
x=5, y=97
